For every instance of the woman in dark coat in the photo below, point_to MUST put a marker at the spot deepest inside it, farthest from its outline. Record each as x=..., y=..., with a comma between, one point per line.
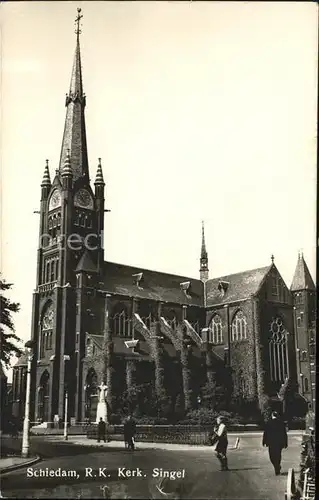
x=275, y=437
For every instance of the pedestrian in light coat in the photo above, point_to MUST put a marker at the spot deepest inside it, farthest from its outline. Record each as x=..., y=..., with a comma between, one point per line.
x=219, y=437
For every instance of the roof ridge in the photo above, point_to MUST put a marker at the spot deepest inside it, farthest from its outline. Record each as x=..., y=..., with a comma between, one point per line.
x=153, y=271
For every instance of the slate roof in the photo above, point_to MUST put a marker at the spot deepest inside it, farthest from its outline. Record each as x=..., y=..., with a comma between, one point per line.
x=302, y=279
x=241, y=286
x=118, y=278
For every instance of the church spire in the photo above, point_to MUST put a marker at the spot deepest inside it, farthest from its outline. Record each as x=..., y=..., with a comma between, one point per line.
x=203, y=271
x=74, y=136
x=302, y=279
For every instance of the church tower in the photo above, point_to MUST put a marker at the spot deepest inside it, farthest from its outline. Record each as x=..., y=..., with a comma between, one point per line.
x=70, y=253
x=203, y=271
x=304, y=299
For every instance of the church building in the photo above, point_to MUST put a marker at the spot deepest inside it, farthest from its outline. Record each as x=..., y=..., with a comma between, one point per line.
x=95, y=321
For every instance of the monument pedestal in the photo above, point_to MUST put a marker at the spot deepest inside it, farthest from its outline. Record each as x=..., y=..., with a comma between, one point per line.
x=101, y=411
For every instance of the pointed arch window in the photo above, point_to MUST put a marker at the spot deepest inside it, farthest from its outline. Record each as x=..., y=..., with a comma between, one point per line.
x=46, y=326
x=50, y=224
x=239, y=327
x=278, y=351
x=274, y=285
x=306, y=382
x=121, y=322
x=216, y=330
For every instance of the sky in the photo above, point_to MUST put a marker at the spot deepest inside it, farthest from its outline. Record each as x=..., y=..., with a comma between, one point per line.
x=199, y=111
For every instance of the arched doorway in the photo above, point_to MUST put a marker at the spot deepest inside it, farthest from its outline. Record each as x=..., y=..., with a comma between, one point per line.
x=43, y=399
x=91, y=395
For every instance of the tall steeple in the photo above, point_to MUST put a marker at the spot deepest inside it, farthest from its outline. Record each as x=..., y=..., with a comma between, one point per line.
x=203, y=271
x=74, y=136
x=302, y=279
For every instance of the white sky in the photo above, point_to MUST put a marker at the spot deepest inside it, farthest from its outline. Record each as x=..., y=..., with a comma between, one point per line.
x=198, y=110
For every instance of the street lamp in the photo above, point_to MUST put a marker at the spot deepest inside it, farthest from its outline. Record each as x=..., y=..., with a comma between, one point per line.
x=26, y=423
x=65, y=433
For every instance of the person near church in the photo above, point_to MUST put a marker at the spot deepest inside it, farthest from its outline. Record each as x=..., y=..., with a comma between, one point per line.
x=219, y=437
x=101, y=430
x=129, y=433
x=275, y=438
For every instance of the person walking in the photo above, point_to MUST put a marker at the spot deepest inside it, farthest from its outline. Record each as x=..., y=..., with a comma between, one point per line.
x=101, y=430
x=129, y=432
x=220, y=438
x=275, y=438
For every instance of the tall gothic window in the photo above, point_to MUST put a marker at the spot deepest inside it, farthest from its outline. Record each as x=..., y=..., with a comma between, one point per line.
x=274, y=285
x=121, y=322
x=239, y=327
x=216, y=330
x=278, y=352
x=306, y=385
x=46, y=330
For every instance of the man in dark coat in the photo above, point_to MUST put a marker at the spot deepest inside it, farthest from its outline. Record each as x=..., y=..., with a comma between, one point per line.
x=101, y=430
x=129, y=432
x=275, y=437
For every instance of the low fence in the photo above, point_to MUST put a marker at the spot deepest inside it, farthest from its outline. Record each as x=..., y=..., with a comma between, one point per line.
x=179, y=434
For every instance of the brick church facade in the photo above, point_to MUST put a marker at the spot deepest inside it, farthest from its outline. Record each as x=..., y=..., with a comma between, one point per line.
x=96, y=321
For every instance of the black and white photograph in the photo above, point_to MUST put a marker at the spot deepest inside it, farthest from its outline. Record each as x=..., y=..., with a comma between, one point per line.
x=158, y=249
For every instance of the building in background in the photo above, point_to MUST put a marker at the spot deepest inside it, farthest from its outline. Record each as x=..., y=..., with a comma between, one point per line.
x=304, y=299
x=96, y=321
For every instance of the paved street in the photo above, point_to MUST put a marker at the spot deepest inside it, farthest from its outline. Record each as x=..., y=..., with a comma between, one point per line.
x=251, y=475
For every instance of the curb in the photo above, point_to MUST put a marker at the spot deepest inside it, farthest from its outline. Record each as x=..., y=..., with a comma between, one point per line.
x=13, y=467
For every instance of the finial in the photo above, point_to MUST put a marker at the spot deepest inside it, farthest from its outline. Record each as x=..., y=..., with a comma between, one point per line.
x=99, y=174
x=67, y=164
x=46, y=181
x=272, y=258
x=77, y=22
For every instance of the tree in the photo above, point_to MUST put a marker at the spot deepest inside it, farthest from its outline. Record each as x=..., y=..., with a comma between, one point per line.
x=7, y=330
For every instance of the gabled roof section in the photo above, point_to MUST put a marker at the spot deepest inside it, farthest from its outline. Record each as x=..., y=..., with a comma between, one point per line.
x=86, y=264
x=74, y=137
x=156, y=285
x=302, y=279
x=240, y=286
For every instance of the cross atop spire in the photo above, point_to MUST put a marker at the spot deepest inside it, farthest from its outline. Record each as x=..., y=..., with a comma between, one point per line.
x=77, y=22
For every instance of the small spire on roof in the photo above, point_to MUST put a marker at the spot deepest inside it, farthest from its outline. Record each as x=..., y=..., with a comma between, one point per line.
x=99, y=174
x=272, y=258
x=67, y=170
x=46, y=181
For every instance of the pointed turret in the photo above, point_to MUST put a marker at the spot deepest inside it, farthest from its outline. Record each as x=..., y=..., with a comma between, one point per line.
x=99, y=180
x=46, y=181
x=302, y=279
x=74, y=137
x=203, y=271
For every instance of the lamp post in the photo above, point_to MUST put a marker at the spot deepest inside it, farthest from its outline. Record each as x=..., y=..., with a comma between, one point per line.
x=65, y=432
x=26, y=423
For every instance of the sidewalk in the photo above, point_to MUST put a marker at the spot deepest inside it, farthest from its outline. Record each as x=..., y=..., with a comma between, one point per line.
x=8, y=464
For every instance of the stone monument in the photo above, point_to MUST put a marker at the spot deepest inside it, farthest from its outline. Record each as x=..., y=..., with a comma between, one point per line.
x=102, y=405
